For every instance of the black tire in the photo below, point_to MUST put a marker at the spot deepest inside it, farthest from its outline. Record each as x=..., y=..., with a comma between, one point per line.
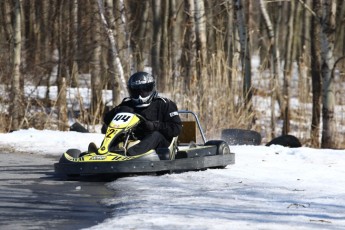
x=222, y=149
x=286, y=140
x=241, y=137
x=77, y=127
x=73, y=152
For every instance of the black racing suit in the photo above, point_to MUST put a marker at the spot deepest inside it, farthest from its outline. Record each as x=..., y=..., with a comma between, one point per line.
x=166, y=121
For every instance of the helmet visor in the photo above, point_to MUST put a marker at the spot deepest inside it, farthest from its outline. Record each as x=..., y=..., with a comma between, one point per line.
x=143, y=90
x=135, y=93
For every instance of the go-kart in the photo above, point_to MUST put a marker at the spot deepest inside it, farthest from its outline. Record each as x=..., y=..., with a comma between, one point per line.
x=183, y=154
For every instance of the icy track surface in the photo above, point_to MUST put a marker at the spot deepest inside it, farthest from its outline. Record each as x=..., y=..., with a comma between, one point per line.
x=268, y=188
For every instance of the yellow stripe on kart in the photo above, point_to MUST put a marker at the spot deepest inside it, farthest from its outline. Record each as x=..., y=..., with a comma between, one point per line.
x=109, y=157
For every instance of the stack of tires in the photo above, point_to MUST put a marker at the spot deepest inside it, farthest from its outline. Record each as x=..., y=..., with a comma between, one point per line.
x=250, y=137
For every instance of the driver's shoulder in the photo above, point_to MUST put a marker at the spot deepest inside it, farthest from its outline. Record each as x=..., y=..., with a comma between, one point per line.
x=161, y=99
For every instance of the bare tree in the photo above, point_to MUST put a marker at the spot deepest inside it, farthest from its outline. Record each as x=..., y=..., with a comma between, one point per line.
x=17, y=107
x=140, y=37
x=327, y=64
x=340, y=28
x=200, y=38
x=6, y=8
x=116, y=65
x=188, y=60
x=230, y=38
x=157, y=39
x=123, y=36
x=275, y=59
x=289, y=56
x=164, y=55
x=74, y=69
x=62, y=68
x=315, y=75
x=48, y=45
x=175, y=36
x=96, y=72
x=245, y=51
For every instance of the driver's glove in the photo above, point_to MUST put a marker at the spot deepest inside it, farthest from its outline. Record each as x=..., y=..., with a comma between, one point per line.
x=104, y=129
x=148, y=125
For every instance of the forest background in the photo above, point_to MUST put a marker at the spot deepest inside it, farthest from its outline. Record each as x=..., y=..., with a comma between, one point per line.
x=201, y=52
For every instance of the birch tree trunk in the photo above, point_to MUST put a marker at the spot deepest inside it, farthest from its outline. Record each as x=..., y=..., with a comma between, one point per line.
x=327, y=64
x=16, y=106
x=123, y=36
x=62, y=70
x=115, y=58
x=202, y=81
x=114, y=76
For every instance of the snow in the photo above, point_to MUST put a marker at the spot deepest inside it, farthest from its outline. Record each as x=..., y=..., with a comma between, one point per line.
x=267, y=188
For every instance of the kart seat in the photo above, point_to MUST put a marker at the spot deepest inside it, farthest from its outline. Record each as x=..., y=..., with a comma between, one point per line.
x=188, y=133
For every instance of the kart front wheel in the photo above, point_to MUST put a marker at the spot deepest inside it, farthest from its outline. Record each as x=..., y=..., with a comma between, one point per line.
x=73, y=152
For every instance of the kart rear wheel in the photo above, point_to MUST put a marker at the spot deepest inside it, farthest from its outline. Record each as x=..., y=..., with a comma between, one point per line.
x=222, y=149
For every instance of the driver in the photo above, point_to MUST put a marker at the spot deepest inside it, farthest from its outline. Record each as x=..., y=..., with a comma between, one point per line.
x=162, y=119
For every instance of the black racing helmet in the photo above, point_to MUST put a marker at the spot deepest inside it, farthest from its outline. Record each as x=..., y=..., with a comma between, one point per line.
x=142, y=88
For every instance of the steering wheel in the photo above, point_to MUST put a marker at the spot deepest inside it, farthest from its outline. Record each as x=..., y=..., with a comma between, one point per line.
x=141, y=117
